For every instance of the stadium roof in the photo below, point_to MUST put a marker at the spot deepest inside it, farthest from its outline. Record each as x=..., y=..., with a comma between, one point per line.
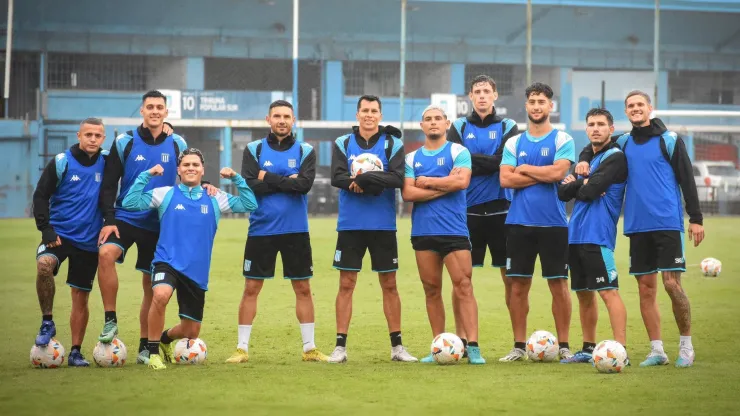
x=724, y=6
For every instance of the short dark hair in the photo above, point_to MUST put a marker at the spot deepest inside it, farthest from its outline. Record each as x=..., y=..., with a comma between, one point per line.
x=482, y=78
x=280, y=103
x=637, y=92
x=600, y=112
x=191, y=151
x=370, y=98
x=539, y=88
x=153, y=94
x=93, y=121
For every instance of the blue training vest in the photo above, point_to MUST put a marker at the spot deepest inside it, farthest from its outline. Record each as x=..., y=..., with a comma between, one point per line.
x=445, y=215
x=144, y=157
x=653, y=198
x=595, y=222
x=483, y=140
x=280, y=213
x=74, y=206
x=537, y=205
x=187, y=230
x=365, y=211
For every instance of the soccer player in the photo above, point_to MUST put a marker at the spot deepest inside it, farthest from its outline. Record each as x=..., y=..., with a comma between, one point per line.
x=484, y=133
x=659, y=172
x=367, y=220
x=182, y=261
x=131, y=153
x=533, y=165
x=280, y=171
x=65, y=206
x=592, y=233
x=436, y=178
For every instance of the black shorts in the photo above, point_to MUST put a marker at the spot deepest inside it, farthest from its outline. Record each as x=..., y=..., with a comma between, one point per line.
x=592, y=267
x=82, y=264
x=488, y=231
x=190, y=298
x=351, y=247
x=260, y=255
x=146, y=244
x=524, y=243
x=442, y=244
x=655, y=251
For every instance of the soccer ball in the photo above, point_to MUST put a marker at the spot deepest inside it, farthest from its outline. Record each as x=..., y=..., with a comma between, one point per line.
x=542, y=346
x=610, y=357
x=366, y=162
x=447, y=348
x=48, y=356
x=711, y=267
x=190, y=351
x=110, y=355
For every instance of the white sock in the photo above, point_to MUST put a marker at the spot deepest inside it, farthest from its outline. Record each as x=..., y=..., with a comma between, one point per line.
x=244, y=332
x=685, y=342
x=657, y=346
x=307, y=335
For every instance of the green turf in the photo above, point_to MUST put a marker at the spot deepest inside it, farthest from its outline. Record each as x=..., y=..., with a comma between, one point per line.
x=276, y=381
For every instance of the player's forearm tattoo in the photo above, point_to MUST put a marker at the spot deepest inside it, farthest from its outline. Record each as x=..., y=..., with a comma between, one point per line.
x=45, y=288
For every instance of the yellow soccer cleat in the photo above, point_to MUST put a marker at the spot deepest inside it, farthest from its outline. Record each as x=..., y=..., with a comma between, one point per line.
x=155, y=362
x=165, y=351
x=315, y=355
x=240, y=356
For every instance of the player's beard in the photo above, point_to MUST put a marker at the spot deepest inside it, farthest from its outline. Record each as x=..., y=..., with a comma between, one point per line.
x=540, y=121
x=434, y=136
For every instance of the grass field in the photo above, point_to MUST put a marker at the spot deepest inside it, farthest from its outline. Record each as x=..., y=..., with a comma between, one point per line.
x=276, y=381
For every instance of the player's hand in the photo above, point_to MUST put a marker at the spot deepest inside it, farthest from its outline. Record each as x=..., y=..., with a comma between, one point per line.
x=106, y=232
x=261, y=175
x=569, y=179
x=55, y=243
x=167, y=129
x=585, y=181
x=422, y=182
x=582, y=168
x=211, y=190
x=227, y=173
x=354, y=187
x=456, y=171
x=156, y=171
x=293, y=176
x=696, y=233
x=521, y=169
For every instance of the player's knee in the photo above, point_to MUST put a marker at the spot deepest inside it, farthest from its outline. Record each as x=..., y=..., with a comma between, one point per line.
x=647, y=291
x=388, y=284
x=45, y=266
x=80, y=297
x=432, y=290
x=672, y=285
x=302, y=288
x=586, y=297
x=252, y=288
x=346, y=285
x=108, y=254
x=463, y=287
x=160, y=299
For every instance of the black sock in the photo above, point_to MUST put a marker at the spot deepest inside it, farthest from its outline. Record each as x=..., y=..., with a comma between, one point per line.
x=396, y=339
x=341, y=340
x=48, y=317
x=143, y=343
x=76, y=347
x=472, y=344
x=153, y=347
x=520, y=345
x=588, y=347
x=166, y=338
x=465, y=342
x=562, y=345
x=111, y=316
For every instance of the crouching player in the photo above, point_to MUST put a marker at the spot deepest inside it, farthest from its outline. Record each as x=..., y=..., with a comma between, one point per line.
x=182, y=260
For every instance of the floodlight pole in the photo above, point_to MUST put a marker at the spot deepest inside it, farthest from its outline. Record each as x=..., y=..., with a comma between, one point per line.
x=8, y=47
x=656, y=51
x=529, y=43
x=295, y=57
x=402, y=77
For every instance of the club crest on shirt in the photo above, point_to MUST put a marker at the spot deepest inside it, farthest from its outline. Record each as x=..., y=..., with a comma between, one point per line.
x=165, y=157
x=291, y=163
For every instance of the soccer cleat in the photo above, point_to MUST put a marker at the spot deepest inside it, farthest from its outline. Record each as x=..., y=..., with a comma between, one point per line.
x=474, y=356
x=516, y=354
x=165, y=350
x=399, y=353
x=339, y=355
x=654, y=359
x=46, y=332
x=110, y=330
x=428, y=359
x=685, y=358
x=155, y=362
x=565, y=354
x=77, y=360
x=314, y=355
x=578, y=357
x=239, y=356
x=143, y=357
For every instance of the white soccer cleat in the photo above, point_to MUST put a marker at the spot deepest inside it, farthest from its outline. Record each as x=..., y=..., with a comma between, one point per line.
x=339, y=355
x=399, y=353
x=565, y=354
x=516, y=354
